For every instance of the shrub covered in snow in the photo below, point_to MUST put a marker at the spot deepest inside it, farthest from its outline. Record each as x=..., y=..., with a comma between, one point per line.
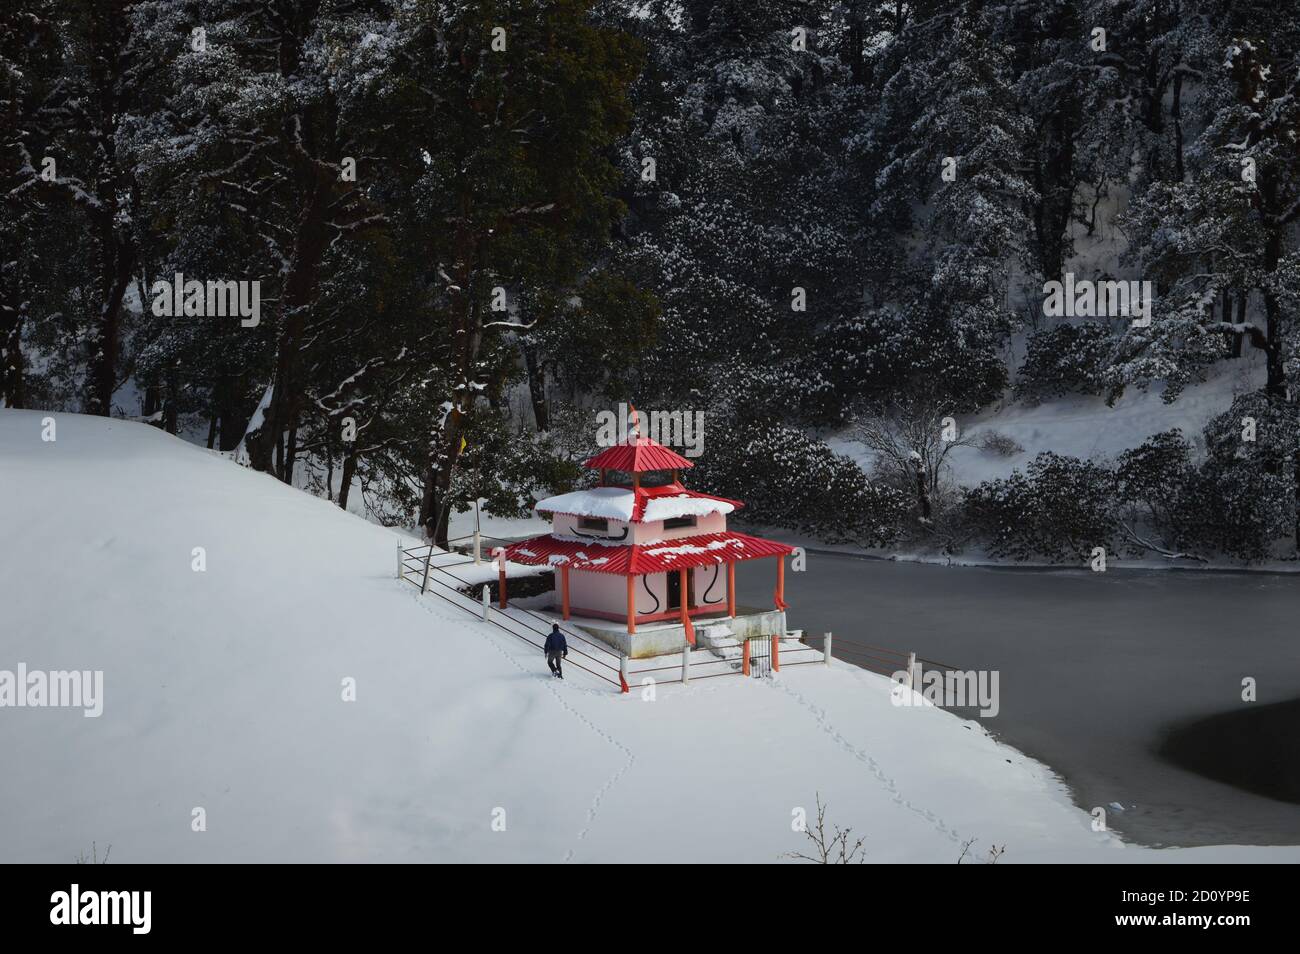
x=1241, y=500
x=1065, y=359
x=789, y=479
x=1059, y=508
x=875, y=356
x=1233, y=509
x=1150, y=480
x=995, y=442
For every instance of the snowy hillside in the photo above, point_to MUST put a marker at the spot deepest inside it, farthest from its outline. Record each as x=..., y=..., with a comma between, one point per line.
x=222, y=691
x=1083, y=426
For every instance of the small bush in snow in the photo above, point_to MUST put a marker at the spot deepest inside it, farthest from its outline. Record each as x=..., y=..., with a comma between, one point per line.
x=93, y=858
x=998, y=443
x=912, y=438
x=831, y=848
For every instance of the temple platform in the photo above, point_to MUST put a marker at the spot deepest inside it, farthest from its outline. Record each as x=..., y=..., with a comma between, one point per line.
x=660, y=639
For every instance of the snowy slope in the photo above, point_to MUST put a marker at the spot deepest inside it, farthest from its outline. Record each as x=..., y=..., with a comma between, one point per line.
x=1083, y=426
x=222, y=691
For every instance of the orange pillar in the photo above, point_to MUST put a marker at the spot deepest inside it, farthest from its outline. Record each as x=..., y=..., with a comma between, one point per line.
x=501, y=579
x=731, y=590
x=744, y=657
x=564, y=590
x=776, y=653
x=631, y=604
x=780, y=582
x=686, y=609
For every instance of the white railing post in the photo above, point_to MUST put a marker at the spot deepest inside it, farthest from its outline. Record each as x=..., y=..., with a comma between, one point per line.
x=911, y=670
x=622, y=669
x=686, y=663
x=487, y=600
x=826, y=649
x=478, y=548
x=401, y=560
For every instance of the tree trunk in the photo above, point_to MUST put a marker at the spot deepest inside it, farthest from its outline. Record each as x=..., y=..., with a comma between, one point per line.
x=537, y=387
x=116, y=275
x=923, y=491
x=11, y=362
x=1176, y=111
x=117, y=254
x=171, y=403
x=290, y=454
x=349, y=468
x=299, y=289
x=429, y=499
x=468, y=333
x=1276, y=383
x=1238, y=337
x=1227, y=317
x=853, y=38
x=435, y=510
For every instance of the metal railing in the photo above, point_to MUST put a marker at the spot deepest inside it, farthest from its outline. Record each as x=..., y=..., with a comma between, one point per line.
x=877, y=659
x=528, y=625
x=424, y=565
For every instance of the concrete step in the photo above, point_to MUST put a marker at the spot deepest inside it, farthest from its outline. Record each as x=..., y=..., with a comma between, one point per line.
x=718, y=639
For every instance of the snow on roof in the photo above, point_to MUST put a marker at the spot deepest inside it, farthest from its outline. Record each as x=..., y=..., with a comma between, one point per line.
x=620, y=503
x=613, y=503
x=683, y=505
x=700, y=550
x=689, y=549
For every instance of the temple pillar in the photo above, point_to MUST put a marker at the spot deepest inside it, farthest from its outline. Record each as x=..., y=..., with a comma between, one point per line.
x=631, y=603
x=564, y=590
x=731, y=590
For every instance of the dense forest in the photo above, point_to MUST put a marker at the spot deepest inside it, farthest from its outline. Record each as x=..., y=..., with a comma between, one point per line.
x=453, y=228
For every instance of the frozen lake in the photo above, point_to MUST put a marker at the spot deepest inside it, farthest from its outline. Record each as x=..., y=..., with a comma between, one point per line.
x=1096, y=669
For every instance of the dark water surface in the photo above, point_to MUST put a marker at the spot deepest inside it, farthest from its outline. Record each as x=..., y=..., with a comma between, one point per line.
x=1109, y=678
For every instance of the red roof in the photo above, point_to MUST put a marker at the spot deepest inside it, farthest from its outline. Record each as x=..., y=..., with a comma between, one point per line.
x=676, y=554
x=638, y=457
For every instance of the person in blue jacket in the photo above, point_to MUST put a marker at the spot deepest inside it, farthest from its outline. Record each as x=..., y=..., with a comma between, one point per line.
x=556, y=649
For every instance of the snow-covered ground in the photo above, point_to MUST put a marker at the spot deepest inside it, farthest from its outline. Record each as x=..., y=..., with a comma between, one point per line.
x=1083, y=426
x=223, y=692
x=1079, y=426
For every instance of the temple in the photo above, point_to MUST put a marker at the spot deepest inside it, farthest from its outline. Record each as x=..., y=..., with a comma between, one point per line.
x=642, y=561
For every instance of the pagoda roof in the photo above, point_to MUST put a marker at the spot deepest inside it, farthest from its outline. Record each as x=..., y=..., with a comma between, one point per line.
x=680, y=553
x=637, y=457
x=640, y=505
